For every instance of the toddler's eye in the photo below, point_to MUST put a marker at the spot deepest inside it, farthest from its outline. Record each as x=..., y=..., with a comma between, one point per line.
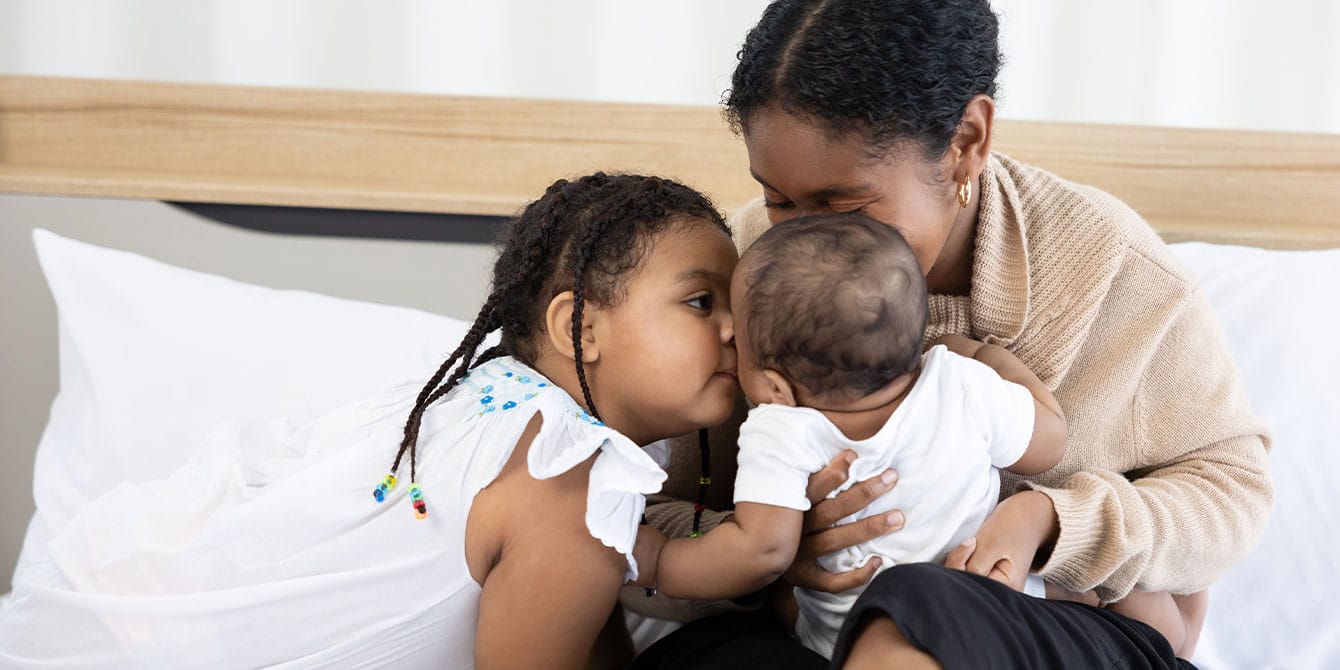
x=703, y=302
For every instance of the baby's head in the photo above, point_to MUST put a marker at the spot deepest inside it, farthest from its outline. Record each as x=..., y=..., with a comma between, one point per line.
x=828, y=309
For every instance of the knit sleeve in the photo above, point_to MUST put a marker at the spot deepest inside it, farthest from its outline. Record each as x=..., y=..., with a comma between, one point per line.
x=1202, y=502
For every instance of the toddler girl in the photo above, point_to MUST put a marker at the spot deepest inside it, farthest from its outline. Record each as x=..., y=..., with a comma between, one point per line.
x=524, y=472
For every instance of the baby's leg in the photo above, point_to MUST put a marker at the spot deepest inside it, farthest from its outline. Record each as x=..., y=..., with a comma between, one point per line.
x=1177, y=617
x=1194, y=607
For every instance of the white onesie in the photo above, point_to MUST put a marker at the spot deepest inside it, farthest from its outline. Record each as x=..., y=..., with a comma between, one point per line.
x=958, y=424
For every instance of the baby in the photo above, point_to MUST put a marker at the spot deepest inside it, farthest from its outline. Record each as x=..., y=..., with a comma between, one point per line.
x=830, y=313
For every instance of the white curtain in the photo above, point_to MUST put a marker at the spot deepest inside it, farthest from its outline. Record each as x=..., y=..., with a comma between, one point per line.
x=1200, y=63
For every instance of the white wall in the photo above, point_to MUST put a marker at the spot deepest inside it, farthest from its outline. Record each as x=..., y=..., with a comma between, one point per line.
x=1200, y=63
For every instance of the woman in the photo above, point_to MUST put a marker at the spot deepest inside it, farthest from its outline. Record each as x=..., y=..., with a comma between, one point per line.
x=886, y=106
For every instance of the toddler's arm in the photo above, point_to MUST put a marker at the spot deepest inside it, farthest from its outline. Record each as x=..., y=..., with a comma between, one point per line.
x=1048, y=442
x=738, y=557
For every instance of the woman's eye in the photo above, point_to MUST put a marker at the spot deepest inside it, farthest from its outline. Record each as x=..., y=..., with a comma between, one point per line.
x=850, y=209
x=776, y=203
x=703, y=302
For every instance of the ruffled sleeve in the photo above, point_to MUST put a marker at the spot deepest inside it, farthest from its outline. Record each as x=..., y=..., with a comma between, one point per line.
x=621, y=477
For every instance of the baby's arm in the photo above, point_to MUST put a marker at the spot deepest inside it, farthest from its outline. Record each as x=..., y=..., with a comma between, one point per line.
x=1047, y=445
x=738, y=557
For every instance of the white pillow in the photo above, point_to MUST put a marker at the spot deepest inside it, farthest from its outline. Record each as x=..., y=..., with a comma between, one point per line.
x=1281, y=313
x=152, y=356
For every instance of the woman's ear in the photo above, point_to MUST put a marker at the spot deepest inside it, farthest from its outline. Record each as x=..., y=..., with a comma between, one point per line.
x=778, y=388
x=971, y=145
x=558, y=327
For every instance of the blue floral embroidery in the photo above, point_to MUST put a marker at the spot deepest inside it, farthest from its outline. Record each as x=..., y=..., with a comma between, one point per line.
x=586, y=416
x=509, y=404
x=487, y=389
x=523, y=380
x=507, y=374
x=529, y=396
x=486, y=399
x=542, y=384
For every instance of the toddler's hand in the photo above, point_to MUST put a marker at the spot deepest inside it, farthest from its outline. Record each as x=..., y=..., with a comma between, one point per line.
x=647, y=551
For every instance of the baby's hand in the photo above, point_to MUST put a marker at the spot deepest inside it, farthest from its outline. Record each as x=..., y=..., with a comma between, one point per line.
x=963, y=346
x=647, y=551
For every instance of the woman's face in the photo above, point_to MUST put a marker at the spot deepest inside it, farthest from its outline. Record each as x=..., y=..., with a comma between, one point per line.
x=804, y=170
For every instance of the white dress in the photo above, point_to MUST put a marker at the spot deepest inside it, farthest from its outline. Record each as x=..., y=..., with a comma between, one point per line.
x=269, y=549
x=956, y=426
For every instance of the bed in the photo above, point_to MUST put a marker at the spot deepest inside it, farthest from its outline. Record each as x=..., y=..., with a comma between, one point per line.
x=1254, y=214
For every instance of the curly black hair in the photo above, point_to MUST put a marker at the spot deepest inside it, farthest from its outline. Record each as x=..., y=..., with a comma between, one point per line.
x=583, y=236
x=893, y=70
x=835, y=302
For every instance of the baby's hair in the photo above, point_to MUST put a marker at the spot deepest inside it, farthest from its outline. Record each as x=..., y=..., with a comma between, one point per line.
x=834, y=302
x=584, y=236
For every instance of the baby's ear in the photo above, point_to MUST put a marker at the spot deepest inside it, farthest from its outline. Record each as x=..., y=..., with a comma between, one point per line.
x=779, y=388
x=558, y=327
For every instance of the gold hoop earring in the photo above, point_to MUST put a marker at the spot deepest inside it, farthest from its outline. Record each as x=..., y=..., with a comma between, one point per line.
x=965, y=191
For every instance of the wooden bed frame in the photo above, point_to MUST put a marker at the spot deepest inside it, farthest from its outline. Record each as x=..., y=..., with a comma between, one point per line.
x=271, y=146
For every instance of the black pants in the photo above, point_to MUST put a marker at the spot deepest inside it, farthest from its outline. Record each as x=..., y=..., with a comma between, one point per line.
x=962, y=620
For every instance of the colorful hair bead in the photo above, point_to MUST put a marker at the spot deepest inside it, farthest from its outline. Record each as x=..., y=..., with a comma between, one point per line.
x=704, y=481
x=387, y=483
x=695, y=534
x=416, y=499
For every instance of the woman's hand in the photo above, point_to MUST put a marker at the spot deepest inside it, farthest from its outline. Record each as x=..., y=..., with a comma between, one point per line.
x=1006, y=544
x=819, y=539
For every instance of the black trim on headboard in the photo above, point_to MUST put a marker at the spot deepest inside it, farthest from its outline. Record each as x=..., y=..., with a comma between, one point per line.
x=375, y=224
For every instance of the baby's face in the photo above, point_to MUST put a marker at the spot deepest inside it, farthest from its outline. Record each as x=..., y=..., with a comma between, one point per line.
x=752, y=381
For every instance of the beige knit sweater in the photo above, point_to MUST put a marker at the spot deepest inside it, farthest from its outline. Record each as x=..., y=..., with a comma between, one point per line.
x=1165, y=479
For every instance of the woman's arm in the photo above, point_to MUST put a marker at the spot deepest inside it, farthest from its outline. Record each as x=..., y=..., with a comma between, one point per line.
x=739, y=556
x=1202, y=502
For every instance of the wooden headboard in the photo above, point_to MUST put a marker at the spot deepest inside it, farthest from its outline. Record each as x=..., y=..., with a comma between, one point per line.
x=360, y=150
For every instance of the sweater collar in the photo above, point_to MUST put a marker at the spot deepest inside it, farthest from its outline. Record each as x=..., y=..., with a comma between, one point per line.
x=1043, y=260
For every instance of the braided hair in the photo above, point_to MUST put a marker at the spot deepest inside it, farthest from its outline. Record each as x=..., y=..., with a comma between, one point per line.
x=583, y=236
x=891, y=70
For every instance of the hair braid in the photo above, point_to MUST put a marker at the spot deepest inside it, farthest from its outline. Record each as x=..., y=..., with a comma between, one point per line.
x=484, y=323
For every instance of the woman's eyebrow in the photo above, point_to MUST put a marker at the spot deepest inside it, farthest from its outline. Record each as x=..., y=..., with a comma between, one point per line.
x=823, y=193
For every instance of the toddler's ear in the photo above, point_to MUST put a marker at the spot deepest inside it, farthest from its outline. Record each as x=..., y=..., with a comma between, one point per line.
x=778, y=389
x=558, y=327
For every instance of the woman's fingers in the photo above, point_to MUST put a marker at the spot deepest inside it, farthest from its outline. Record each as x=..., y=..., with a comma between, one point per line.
x=828, y=479
x=958, y=558
x=813, y=577
x=825, y=513
x=833, y=539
